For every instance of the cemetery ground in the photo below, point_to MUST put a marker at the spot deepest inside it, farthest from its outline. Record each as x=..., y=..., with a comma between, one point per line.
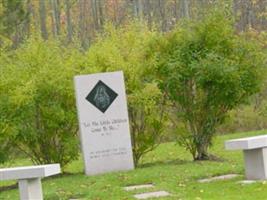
x=169, y=168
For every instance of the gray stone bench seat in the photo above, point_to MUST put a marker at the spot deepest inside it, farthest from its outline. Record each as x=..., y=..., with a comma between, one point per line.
x=247, y=143
x=29, y=179
x=255, y=155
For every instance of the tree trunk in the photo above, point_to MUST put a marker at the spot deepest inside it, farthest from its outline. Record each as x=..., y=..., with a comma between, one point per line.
x=94, y=13
x=69, y=24
x=162, y=16
x=138, y=8
x=147, y=13
x=53, y=25
x=82, y=24
x=202, y=152
x=42, y=13
x=100, y=13
x=235, y=11
x=184, y=5
x=249, y=14
x=57, y=15
x=176, y=10
x=135, y=8
x=27, y=24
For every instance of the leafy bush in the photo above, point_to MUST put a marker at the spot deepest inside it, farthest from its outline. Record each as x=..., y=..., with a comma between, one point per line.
x=4, y=139
x=207, y=70
x=125, y=49
x=4, y=128
x=245, y=118
x=37, y=102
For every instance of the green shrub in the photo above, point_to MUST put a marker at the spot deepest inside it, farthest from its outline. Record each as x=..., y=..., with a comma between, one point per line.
x=125, y=49
x=37, y=102
x=4, y=128
x=245, y=118
x=207, y=70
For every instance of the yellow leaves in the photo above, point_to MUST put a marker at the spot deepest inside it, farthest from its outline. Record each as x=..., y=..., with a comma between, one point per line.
x=148, y=95
x=181, y=185
x=254, y=2
x=22, y=94
x=83, y=186
x=5, y=42
x=52, y=184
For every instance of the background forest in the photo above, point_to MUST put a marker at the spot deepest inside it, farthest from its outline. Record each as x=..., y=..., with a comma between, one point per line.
x=82, y=20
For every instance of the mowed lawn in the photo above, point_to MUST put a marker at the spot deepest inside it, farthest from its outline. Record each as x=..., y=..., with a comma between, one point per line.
x=169, y=168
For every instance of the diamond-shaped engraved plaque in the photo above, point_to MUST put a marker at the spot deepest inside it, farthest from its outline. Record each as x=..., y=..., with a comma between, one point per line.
x=101, y=96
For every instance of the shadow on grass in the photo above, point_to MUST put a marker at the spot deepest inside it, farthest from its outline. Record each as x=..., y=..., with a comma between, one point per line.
x=169, y=162
x=8, y=187
x=56, y=197
x=212, y=158
x=15, y=186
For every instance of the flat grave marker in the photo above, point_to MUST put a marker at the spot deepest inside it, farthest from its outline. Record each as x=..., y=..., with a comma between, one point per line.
x=137, y=187
x=218, y=178
x=103, y=122
x=149, y=195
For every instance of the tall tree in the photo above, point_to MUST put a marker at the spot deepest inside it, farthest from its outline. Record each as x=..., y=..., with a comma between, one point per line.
x=55, y=16
x=162, y=14
x=184, y=6
x=138, y=8
x=53, y=24
x=95, y=14
x=101, y=16
x=249, y=13
x=42, y=13
x=27, y=23
x=69, y=23
x=83, y=27
x=148, y=13
x=13, y=19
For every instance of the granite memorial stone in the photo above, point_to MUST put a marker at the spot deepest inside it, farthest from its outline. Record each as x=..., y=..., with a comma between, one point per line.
x=103, y=122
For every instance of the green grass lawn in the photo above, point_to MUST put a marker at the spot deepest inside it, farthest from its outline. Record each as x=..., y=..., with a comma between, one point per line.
x=169, y=168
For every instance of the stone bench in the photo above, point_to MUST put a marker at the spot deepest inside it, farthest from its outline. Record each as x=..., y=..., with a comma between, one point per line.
x=255, y=155
x=29, y=179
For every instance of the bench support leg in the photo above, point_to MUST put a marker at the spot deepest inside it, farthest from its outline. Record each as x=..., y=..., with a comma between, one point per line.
x=256, y=164
x=30, y=189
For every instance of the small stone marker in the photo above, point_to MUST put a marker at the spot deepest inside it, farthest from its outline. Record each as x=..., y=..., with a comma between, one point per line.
x=152, y=195
x=29, y=179
x=255, y=155
x=216, y=178
x=138, y=187
x=103, y=121
x=247, y=182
